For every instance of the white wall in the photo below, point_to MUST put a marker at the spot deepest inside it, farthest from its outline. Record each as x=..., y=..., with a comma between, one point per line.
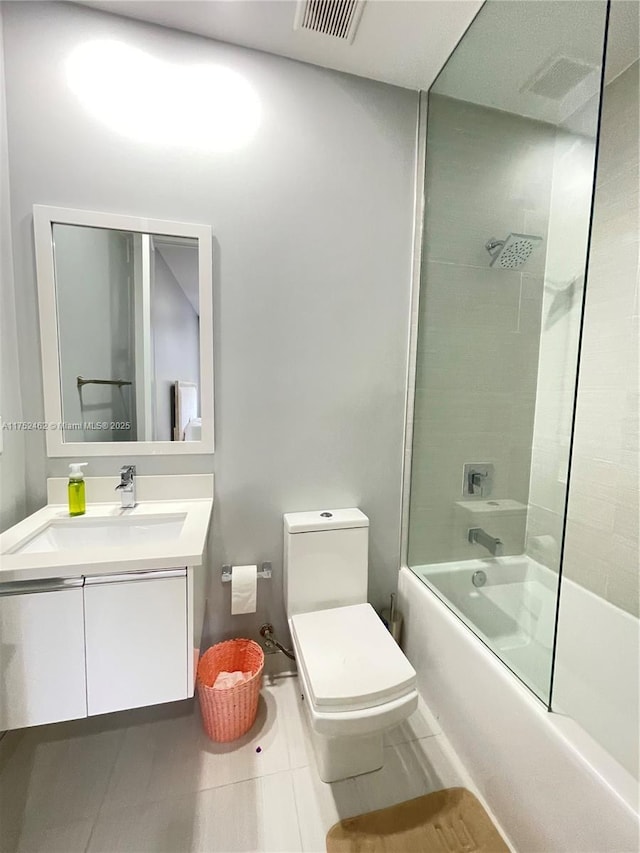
x=487, y=175
x=12, y=460
x=602, y=541
x=312, y=222
x=175, y=329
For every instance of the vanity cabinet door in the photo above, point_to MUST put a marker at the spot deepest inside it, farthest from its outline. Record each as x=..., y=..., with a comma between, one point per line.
x=42, y=675
x=136, y=639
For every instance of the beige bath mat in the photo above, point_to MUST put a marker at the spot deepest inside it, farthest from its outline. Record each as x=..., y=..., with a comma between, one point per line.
x=448, y=821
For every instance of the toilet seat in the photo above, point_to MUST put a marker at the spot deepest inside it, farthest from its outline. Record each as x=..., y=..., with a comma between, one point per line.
x=349, y=661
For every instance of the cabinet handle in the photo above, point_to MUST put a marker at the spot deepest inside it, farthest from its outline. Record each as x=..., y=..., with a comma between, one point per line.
x=129, y=577
x=41, y=585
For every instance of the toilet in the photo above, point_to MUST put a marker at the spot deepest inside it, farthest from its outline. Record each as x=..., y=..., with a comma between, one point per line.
x=355, y=680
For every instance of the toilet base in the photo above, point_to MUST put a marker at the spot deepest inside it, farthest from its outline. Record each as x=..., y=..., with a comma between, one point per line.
x=341, y=757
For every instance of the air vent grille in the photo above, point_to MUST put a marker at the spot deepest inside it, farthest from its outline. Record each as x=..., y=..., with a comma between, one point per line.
x=561, y=77
x=336, y=18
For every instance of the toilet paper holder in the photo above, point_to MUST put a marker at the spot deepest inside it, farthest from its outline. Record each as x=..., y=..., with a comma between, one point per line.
x=264, y=572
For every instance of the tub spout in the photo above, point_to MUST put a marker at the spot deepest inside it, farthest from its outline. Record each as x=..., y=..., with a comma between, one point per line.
x=480, y=537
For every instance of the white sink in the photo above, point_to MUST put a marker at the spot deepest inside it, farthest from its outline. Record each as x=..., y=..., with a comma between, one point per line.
x=160, y=532
x=67, y=534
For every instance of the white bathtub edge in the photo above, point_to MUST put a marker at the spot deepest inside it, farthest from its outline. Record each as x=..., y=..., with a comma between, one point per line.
x=532, y=772
x=598, y=761
x=461, y=770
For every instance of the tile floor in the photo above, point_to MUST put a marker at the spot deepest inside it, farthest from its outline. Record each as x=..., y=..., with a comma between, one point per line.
x=149, y=780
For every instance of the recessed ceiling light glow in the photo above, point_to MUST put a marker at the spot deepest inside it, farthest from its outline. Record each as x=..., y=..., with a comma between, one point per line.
x=205, y=107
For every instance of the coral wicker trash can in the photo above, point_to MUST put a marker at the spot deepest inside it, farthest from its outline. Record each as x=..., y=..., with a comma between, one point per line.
x=228, y=713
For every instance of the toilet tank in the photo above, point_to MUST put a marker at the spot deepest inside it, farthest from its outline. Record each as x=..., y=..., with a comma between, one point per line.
x=325, y=559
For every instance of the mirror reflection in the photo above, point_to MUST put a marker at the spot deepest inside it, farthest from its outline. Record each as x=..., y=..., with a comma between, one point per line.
x=129, y=335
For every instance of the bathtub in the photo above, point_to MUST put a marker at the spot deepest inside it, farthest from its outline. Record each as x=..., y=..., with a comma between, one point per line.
x=552, y=786
x=513, y=612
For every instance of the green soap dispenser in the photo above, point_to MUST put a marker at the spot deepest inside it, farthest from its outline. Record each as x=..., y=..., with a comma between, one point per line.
x=77, y=503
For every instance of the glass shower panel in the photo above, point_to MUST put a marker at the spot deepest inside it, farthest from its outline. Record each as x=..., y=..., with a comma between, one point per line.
x=596, y=677
x=511, y=129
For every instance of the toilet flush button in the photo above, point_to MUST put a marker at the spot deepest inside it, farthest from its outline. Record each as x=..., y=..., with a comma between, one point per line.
x=326, y=515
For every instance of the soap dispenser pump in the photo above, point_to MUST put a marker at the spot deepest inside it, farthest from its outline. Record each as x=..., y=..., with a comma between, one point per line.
x=77, y=502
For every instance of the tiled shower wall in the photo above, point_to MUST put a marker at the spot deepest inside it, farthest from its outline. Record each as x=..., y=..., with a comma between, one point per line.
x=487, y=175
x=497, y=349
x=602, y=533
x=566, y=252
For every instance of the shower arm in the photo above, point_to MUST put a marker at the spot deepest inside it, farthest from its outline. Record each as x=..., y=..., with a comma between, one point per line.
x=494, y=246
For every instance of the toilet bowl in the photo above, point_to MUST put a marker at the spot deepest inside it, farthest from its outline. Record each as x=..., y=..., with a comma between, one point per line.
x=356, y=684
x=355, y=680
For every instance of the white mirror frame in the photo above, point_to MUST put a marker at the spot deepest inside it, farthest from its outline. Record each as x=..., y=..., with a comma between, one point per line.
x=44, y=217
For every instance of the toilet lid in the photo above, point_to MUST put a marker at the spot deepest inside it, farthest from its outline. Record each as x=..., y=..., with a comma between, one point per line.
x=349, y=658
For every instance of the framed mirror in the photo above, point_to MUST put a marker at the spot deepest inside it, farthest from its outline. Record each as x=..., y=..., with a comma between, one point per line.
x=126, y=326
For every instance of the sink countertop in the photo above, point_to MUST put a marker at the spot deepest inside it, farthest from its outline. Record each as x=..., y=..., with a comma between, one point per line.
x=187, y=549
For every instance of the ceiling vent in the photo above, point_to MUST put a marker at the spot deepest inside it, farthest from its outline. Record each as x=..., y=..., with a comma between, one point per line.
x=558, y=78
x=336, y=18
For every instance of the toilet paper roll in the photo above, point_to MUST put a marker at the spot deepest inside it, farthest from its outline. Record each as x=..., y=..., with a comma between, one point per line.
x=244, y=583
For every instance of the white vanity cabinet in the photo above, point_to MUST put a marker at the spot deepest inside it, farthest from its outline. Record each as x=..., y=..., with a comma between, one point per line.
x=136, y=639
x=42, y=660
x=76, y=647
x=105, y=611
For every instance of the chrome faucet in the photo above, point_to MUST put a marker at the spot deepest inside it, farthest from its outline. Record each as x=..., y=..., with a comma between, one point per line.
x=478, y=536
x=127, y=486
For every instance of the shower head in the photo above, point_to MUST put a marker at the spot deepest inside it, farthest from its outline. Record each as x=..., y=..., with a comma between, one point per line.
x=512, y=252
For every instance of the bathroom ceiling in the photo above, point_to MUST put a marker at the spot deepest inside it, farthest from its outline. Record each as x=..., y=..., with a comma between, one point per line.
x=407, y=42
x=402, y=42
x=624, y=37
x=559, y=48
